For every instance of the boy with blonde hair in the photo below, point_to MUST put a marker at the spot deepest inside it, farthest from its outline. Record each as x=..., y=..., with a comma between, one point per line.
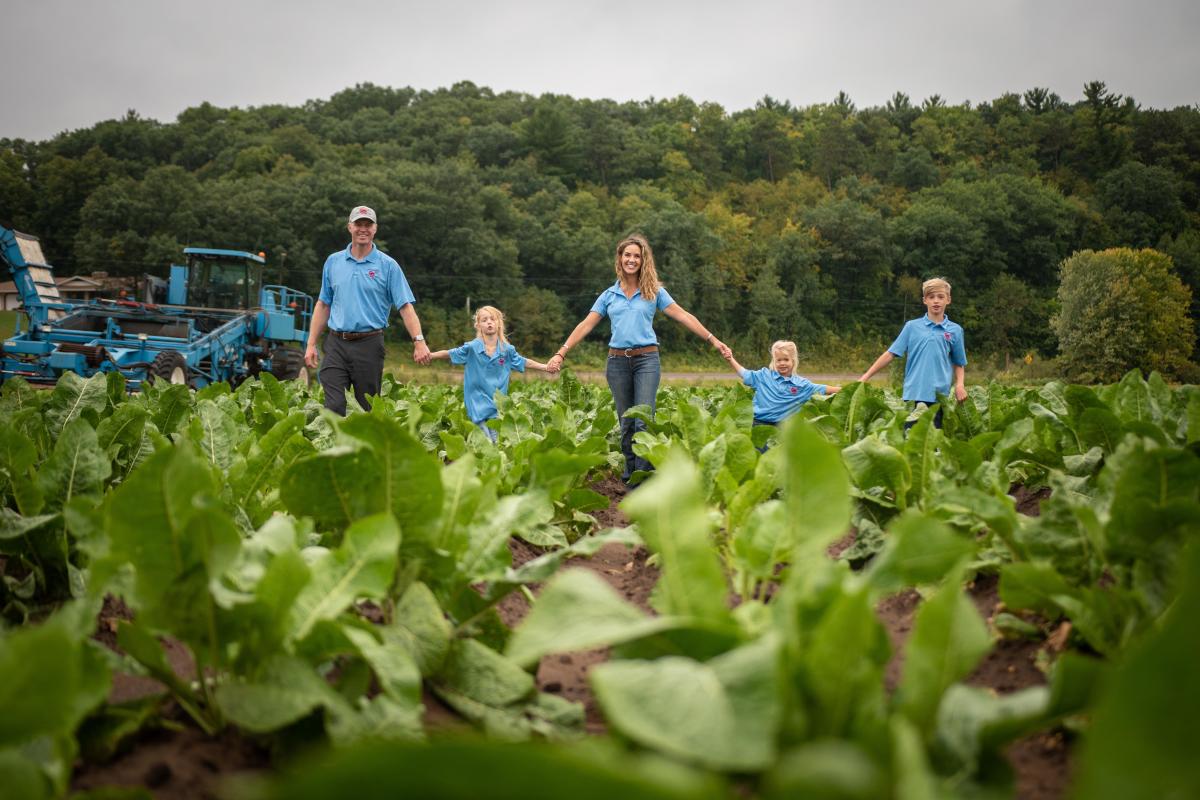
x=935, y=348
x=778, y=391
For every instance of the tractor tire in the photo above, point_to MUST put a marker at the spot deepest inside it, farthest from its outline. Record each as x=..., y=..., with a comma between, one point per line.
x=288, y=365
x=168, y=366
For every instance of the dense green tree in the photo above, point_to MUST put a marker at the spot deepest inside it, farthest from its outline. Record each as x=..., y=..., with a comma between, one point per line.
x=1122, y=309
x=1140, y=204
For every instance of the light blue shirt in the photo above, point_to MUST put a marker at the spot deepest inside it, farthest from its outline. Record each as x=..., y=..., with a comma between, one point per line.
x=485, y=375
x=632, y=317
x=933, y=350
x=360, y=294
x=776, y=397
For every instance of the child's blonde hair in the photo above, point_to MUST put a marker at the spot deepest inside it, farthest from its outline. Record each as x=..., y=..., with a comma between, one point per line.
x=935, y=284
x=495, y=312
x=788, y=347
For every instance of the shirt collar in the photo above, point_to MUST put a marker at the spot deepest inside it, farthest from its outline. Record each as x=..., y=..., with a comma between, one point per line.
x=932, y=324
x=480, y=347
x=616, y=289
x=371, y=256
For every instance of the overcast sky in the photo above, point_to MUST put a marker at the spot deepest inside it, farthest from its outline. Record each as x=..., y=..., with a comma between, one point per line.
x=67, y=64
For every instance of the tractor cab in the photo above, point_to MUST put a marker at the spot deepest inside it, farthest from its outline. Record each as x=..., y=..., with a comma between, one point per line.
x=224, y=279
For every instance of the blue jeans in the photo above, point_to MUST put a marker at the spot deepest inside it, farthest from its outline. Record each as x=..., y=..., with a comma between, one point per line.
x=488, y=432
x=633, y=382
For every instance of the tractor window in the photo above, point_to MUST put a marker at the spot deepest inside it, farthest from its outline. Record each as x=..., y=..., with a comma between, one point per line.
x=223, y=284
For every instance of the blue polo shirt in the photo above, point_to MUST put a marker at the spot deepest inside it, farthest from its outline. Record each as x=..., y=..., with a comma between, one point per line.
x=485, y=375
x=360, y=294
x=775, y=396
x=632, y=317
x=933, y=350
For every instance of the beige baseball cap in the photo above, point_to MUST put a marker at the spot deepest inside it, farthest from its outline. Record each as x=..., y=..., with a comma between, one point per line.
x=362, y=212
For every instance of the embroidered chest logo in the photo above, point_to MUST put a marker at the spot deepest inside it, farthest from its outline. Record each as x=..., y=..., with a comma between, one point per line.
x=794, y=390
x=948, y=336
x=502, y=362
x=371, y=273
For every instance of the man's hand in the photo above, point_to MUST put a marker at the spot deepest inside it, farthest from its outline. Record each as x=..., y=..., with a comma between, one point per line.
x=960, y=393
x=421, y=353
x=554, y=364
x=310, y=356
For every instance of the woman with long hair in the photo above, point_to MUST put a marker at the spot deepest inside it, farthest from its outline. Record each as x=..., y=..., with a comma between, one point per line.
x=633, y=369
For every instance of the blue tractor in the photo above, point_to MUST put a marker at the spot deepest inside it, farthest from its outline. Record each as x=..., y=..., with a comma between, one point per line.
x=218, y=321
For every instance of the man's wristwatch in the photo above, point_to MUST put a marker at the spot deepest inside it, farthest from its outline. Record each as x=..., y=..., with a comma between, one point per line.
x=418, y=338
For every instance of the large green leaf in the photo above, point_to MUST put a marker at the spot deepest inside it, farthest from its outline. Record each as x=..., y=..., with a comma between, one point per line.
x=483, y=675
x=78, y=466
x=947, y=641
x=459, y=768
x=422, y=628
x=671, y=515
x=285, y=690
x=1142, y=741
x=920, y=550
x=362, y=567
x=335, y=487
x=74, y=397
x=409, y=478
x=49, y=680
x=873, y=463
x=148, y=519
x=843, y=662
x=216, y=435
x=578, y=611
x=816, y=490
x=723, y=714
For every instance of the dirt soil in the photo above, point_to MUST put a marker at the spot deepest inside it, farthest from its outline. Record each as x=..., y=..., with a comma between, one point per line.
x=178, y=761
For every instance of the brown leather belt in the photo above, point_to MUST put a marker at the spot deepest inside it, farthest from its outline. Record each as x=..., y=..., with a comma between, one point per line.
x=354, y=336
x=630, y=352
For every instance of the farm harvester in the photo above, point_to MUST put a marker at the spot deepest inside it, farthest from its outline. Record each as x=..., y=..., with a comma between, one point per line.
x=217, y=322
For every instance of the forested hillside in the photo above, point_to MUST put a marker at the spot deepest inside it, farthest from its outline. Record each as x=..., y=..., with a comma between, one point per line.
x=814, y=223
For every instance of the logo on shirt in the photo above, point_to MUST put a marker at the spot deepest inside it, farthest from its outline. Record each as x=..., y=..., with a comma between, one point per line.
x=948, y=336
x=371, y=274
x=502, y=362
x=794, y=390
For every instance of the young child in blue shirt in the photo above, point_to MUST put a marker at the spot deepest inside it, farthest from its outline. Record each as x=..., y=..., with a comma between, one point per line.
x=489, y=359
x=778, y=391
x=935, y=348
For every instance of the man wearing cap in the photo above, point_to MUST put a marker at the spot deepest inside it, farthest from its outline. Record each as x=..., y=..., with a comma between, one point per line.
x=359, y=287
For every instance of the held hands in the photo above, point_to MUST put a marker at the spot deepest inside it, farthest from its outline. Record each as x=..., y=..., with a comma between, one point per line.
x=554, y=364
x=421, y=353
x=724, y=349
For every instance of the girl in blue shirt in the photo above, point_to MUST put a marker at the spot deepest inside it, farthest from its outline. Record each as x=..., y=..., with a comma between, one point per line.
x=633, y=369
x=778, y=390
x=489, y=360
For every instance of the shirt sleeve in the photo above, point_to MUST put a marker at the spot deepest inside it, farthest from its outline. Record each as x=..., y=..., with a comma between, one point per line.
x=958, y=349
x=900, y=346
x=326, y=295
x=751, y=379
x=516, y=361
x=402, y=293
x=601, y=304
x=458, y=355
x=663, y=298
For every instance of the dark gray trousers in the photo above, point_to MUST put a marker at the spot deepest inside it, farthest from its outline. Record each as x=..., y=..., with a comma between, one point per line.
x=358, y=364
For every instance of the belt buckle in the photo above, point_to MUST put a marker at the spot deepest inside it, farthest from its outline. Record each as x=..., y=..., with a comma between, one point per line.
x=629, y=352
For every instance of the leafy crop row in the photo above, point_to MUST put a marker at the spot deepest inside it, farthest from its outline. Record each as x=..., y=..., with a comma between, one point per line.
x=325, y=574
